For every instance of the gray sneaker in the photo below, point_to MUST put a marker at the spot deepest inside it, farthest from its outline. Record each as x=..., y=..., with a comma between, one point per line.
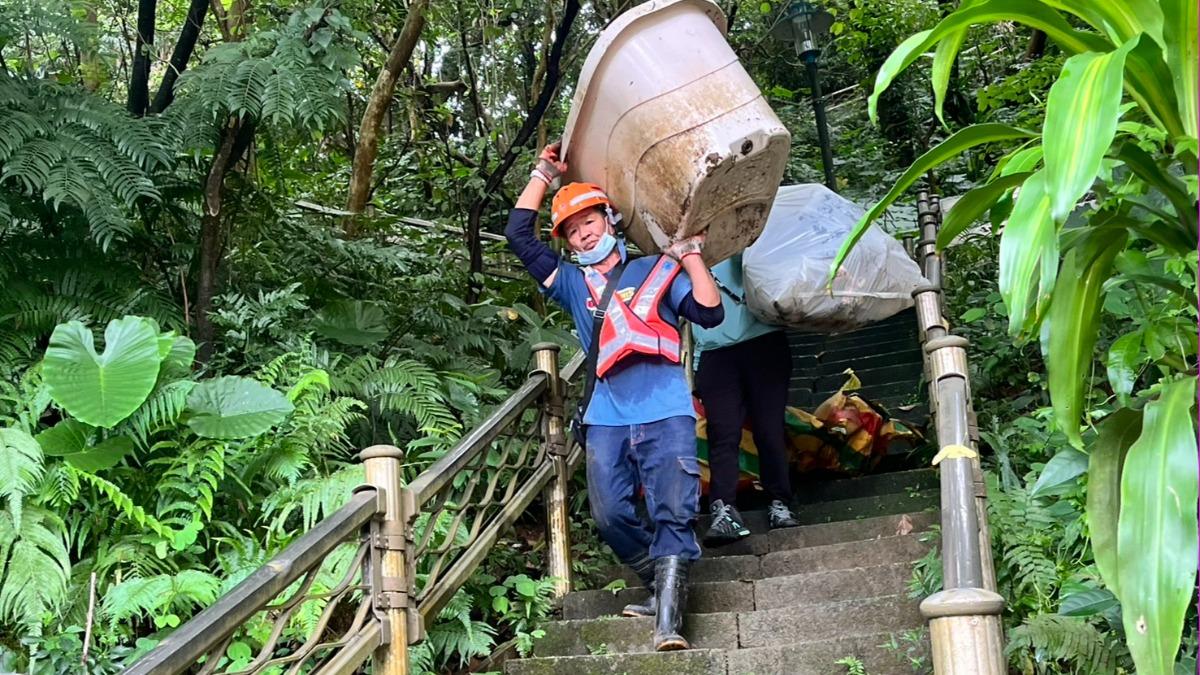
x=779, y=515
x=727, y=525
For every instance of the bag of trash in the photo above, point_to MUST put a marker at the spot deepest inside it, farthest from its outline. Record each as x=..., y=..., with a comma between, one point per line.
x=786, y=268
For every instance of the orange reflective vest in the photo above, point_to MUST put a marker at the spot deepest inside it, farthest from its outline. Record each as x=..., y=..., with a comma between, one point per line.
x=635, y=327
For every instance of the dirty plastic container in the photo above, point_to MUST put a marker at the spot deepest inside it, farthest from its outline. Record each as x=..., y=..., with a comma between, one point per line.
x=668, y=122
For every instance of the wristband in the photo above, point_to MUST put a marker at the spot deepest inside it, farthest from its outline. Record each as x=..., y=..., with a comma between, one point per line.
x=537, y=173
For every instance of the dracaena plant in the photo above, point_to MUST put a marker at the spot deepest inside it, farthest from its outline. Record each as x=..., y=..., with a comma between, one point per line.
x=1099, y=213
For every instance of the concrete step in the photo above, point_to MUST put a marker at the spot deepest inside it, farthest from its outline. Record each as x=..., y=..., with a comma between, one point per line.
x=821, y=657
x=824, y=621
x=703, y=598
x=761, y=543
x=832, y=586
x=867, y=507
x=691, y=662
x=733, y=630
x=842, y=509
x=746, y=596
x=626, y=635
x=847, y=555
x=861, y=553
x=823, y=534
x=810, y=658
x=872, y=485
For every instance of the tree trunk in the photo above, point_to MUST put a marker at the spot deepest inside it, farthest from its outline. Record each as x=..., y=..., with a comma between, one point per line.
x=182, y=53
x=210, y=241
x=496, y=177
x=377, y=107
x=90, y=65
x=139, y=79
x=1037, y=46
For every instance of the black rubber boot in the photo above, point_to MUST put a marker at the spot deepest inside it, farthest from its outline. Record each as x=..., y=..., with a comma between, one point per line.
x=649, y=606
x=670, y=582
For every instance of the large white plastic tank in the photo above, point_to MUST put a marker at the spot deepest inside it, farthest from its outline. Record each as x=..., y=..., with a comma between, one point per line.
x=669, y=123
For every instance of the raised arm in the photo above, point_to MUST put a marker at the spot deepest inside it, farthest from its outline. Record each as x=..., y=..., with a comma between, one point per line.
x=702, y=306
x=538, y=258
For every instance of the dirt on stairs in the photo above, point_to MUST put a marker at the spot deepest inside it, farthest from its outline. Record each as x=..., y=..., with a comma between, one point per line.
x=791, y=601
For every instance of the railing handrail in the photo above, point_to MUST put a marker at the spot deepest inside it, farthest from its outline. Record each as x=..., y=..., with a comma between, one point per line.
x=437, y=475
x=964, y=617
x=391, y=508
x=211, y=626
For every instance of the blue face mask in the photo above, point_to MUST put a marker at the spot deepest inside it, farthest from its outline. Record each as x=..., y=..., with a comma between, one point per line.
x=598, y=252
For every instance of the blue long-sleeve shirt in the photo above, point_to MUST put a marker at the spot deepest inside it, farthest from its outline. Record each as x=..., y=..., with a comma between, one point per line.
x=640, y=389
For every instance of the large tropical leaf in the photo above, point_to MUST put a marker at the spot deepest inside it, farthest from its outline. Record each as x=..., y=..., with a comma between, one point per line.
x=1149, y=82
x=235, y=407
x=178, y=360
x=1022, y=160
x=1179, y=47
x=1029, y=12
x=1114, y=435
x=65, y=438
x=1028, y=251
x=1121, y=364
x=972, y=205
x=1074, y=319
x=1081, y=120
x=1157, y=530
x=956, y=144
x=1063, y=468
x=104, y=455
x=1120, y=20
x=353, y=322
x=943, y=64
x=102, y=389
x=1143, y=166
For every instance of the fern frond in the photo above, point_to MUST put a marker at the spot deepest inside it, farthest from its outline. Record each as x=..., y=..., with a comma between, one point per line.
x=316, y=498
x=141, y=597
x=34, y=567
x=125, y=505
x=159, y=411
x=1067, y=639
x=20, y=468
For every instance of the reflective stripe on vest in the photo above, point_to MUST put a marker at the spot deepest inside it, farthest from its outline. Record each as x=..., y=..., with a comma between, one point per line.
x=635, y=328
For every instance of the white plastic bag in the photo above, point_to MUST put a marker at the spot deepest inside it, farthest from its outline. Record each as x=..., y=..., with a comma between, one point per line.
x=786, y=268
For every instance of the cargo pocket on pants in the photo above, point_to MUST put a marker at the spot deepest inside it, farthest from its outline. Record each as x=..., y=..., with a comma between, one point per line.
x=689, y=487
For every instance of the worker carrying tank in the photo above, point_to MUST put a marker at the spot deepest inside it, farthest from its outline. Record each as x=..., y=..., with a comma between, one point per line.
x=636, y=416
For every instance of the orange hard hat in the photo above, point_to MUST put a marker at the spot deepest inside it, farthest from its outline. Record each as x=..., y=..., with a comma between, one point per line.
x=573, y=198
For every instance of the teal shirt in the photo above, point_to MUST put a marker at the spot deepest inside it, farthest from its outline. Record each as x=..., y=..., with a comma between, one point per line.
x=739, y=324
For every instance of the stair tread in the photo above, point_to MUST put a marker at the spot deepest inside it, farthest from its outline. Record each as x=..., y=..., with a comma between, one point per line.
x=732, y=630
x=841, y=510
x=842, y=555
x=739, y=596
x=792, y=600
x=870, y=485
x=820, y=534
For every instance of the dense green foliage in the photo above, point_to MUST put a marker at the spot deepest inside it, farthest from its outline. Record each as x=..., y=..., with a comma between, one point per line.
x=151, y=469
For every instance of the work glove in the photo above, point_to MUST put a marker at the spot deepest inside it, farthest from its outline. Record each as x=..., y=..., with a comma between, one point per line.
x=549, y=168
x=682, y=248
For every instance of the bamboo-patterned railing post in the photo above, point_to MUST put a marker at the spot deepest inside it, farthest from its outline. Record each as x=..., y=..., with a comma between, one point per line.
x=964, y=618
x=390, y=579
x=558, y=525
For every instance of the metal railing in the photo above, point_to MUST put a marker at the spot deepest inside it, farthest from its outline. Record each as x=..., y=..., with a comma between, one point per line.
x=383, y=565
x=964, y=617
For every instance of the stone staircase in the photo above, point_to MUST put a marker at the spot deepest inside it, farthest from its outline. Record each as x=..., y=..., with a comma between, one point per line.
x=790, y=601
